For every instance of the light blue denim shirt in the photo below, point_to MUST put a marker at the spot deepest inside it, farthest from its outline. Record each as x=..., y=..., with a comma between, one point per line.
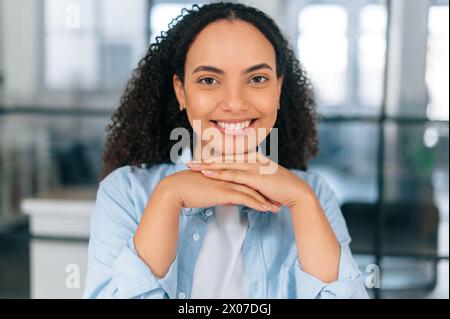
x=270, y=254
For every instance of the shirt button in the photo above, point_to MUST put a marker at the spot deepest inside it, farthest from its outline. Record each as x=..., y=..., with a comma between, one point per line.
x=181, y=295
x=209, y=212
x=196, y=236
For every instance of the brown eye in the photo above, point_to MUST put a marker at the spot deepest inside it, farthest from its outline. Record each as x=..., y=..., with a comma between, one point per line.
x=260, y=79
x=206, y=81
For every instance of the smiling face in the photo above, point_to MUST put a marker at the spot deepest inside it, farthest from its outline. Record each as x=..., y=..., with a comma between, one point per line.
x=230, y=86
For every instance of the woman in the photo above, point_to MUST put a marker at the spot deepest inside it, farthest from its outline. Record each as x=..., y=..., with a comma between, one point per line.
x=214, y=228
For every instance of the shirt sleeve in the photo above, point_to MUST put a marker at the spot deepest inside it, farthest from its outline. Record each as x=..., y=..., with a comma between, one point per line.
x=114, y=268
x=349, y=283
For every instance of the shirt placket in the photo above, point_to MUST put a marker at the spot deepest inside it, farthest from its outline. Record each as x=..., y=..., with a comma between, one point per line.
x=253, y=257
x=193, y=239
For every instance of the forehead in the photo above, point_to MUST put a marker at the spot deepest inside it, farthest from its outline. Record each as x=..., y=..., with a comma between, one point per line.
x=230, y=44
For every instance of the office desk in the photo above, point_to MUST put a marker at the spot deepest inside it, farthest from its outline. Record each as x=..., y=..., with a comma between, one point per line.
x=59, y=226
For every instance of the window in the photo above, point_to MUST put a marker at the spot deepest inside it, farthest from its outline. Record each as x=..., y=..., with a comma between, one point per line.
x=437, y=73
x=161, y=16
x=372, y=51
x=69, y=49
x=164, y=11
x=342, y=45
x=323, y=49
x=92, y=44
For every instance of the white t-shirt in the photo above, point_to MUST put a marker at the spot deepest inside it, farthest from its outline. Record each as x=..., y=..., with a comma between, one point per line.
x=219, y=269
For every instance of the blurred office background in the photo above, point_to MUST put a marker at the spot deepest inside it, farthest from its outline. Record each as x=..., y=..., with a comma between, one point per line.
x=381, y=72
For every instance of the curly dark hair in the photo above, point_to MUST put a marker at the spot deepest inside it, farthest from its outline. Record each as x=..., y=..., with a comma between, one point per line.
x=140, y=129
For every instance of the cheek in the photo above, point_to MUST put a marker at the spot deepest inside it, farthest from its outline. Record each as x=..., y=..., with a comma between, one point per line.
x=199, y=106
x=266, y=100
x=200, y=103
x=268, y=109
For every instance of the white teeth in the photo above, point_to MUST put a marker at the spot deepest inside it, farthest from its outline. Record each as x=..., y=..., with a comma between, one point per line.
x=234, y=126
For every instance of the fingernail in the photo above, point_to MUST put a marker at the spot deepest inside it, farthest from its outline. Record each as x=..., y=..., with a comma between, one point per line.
x=207, y=172
x=265, y=207
x=276, y=208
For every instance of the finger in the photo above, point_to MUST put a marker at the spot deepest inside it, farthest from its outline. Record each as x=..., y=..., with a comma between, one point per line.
x=252, y=156
x=278, y=205
x=234, y=176
x=217, y=166
x=250, y=166
x=238, y=198
x=237, y=177
x=261, y=198
x=247, y=158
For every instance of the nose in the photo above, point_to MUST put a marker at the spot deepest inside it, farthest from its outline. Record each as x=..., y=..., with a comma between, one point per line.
x=234, y=101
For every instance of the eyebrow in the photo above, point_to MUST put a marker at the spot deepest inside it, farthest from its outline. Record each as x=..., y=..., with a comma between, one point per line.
x=213, y=69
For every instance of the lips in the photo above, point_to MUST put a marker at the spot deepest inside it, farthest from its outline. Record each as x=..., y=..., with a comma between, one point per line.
x=234, y=127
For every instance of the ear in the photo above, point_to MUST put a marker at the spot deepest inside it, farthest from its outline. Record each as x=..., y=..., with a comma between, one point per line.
x=179, y=90
x=280, y=85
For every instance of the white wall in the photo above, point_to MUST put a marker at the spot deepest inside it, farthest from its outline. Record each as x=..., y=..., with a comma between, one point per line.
x=20, y=48
x=407, y=91
x=1, y=51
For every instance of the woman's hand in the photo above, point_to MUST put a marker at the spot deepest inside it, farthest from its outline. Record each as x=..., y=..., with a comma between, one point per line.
x=157, y=233
x=317, y=245
x=192, y=189
x=277, y=184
